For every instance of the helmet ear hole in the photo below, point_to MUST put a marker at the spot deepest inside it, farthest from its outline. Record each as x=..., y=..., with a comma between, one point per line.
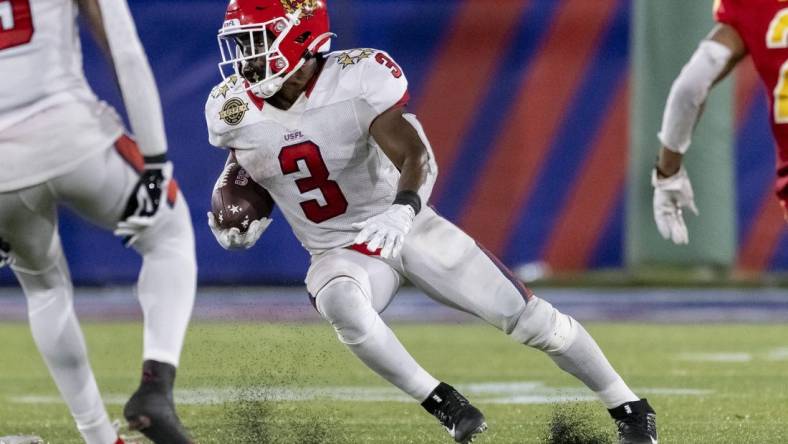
x=303, y=37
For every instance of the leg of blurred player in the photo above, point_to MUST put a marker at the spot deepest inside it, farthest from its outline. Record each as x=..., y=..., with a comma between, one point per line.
x=29, y=223
x=166, y=283
x=98, y=190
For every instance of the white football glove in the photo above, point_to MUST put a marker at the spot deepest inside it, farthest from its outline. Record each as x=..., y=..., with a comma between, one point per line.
x=143, y=206
x=386, y=230
x=233, y=239
x=671, y=195
x=5, y=254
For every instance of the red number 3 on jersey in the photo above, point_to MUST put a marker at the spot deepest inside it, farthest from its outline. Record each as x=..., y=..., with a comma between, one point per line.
x=309, y=153
x=16, y=23
x=388, y=63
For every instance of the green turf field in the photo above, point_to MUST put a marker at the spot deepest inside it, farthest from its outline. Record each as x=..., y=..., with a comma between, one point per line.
x=242, y=383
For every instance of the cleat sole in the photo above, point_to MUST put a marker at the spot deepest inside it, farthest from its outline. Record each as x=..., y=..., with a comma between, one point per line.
x=481, y=429
x=139, y=423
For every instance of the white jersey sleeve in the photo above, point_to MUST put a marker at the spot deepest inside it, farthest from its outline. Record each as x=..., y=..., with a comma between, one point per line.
x=236, y=119
x=383, y=85
x=225, y=111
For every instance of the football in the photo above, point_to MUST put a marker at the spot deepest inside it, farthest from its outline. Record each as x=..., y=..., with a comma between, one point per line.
x=237, y=200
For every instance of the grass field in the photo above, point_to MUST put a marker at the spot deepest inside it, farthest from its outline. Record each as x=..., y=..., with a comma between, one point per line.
x=293, y=383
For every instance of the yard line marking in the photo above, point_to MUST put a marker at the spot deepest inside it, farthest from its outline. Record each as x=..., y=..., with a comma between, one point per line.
x=525, y=392
x=716, y=357
x=778, y=354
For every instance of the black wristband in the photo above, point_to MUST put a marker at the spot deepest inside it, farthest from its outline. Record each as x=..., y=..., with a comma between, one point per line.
x=661, y=174
x=408, y=197
x=159, y=158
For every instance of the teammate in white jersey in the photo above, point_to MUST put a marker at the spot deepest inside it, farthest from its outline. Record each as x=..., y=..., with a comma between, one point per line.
x=60, y=145
x=327, y=135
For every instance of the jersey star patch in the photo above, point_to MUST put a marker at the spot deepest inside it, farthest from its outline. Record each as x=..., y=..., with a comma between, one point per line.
x=224, y=88
x=352, y=57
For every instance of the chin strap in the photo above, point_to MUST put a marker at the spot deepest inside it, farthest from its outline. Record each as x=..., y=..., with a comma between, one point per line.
x=268, y=88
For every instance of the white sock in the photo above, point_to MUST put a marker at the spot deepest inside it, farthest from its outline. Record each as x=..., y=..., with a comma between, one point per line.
x=585, y=360
x=382, y=352
x=100, y=431
x=616, y=394
x=59, y=339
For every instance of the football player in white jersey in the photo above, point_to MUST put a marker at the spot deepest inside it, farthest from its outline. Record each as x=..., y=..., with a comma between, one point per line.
x=60, y=145
x=326, y=134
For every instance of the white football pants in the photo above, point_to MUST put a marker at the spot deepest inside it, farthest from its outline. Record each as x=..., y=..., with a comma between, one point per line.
x=98, y=190
x=351, y=289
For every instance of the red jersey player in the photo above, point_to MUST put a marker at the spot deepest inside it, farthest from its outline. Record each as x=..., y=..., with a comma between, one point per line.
x=755, y=27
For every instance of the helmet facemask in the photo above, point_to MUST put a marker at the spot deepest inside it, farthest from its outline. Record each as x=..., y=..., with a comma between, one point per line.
x=254, y=55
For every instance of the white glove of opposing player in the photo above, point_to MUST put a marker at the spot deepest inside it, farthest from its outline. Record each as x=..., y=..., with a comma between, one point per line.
x=386, y=230
x=142, y=209
x=5, y=254
x=671, y=194
x=233, y=239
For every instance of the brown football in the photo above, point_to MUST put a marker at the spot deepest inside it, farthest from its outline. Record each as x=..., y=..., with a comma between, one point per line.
x=237, y=200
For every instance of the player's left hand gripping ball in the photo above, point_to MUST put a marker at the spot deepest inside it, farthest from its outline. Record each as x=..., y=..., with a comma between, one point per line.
x=386, y=230
x=235, y=239
x=145, y=201
x=671, y=195
x=5, y=254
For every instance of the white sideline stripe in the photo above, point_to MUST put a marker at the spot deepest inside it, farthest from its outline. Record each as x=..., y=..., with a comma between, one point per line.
x=527, y=392
x=775, y=354
x=778, y=354
x=716, y=357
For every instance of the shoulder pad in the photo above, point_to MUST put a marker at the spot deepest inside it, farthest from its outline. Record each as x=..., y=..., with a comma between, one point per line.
x=226, y=110
x=367, y=74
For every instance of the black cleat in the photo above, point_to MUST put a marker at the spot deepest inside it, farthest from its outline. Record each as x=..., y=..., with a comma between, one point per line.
x=636, y=422
x=151, y=409
x=462, y=420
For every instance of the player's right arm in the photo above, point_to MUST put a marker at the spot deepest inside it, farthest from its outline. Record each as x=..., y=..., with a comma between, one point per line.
x=402, y=140
x=714, y=59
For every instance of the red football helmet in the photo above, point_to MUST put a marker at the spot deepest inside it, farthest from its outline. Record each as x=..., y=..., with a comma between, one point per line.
x=266, y=41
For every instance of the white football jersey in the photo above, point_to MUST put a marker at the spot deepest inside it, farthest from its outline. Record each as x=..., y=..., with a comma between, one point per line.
x=317, y=159
x=43, y=89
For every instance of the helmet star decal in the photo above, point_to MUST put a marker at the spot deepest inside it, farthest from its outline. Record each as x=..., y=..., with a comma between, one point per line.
x=353, y=56
x=306, y=6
